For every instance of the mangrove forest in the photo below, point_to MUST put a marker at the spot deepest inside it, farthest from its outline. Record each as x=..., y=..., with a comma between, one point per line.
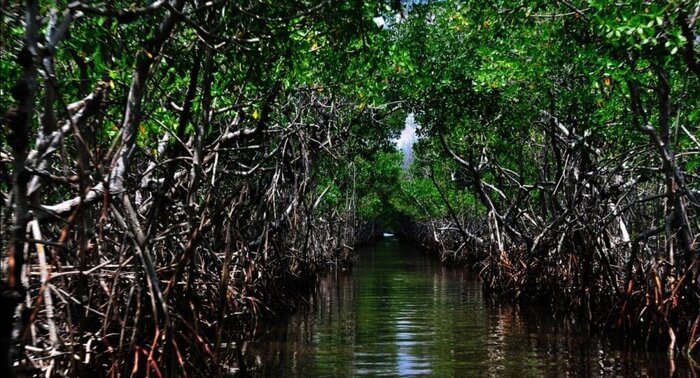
x=210, y=188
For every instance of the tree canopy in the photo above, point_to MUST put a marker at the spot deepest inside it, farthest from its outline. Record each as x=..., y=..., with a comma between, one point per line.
x=184, y=164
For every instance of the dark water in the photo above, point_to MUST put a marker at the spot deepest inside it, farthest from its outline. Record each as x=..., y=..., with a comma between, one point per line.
x=400, y=313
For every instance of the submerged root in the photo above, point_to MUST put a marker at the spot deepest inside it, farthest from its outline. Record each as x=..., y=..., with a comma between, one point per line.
x=574, y=274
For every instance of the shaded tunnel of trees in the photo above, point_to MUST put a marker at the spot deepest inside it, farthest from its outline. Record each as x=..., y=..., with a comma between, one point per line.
x=173, y=170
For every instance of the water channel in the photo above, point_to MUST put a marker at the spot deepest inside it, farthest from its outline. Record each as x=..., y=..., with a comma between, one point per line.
x=401, y=313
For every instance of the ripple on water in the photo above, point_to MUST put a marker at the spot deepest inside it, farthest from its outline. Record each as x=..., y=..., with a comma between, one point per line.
x=400, y=313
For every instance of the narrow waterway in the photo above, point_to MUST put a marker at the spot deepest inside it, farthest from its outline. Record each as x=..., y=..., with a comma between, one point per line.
x=400, y=313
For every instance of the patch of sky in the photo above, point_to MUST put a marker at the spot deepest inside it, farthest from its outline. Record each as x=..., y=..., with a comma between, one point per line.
x=407, y=139
x=389, y=20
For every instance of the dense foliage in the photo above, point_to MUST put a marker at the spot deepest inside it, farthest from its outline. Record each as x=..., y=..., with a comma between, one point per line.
x=574, y=125
x=171, y=170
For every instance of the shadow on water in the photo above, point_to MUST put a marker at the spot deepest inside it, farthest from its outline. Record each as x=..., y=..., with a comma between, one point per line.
x=401, y=313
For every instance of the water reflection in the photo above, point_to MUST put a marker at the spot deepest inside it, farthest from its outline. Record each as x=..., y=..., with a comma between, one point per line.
x=399, y=313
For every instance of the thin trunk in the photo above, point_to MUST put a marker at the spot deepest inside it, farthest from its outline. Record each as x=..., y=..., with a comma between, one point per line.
x=19, y=119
